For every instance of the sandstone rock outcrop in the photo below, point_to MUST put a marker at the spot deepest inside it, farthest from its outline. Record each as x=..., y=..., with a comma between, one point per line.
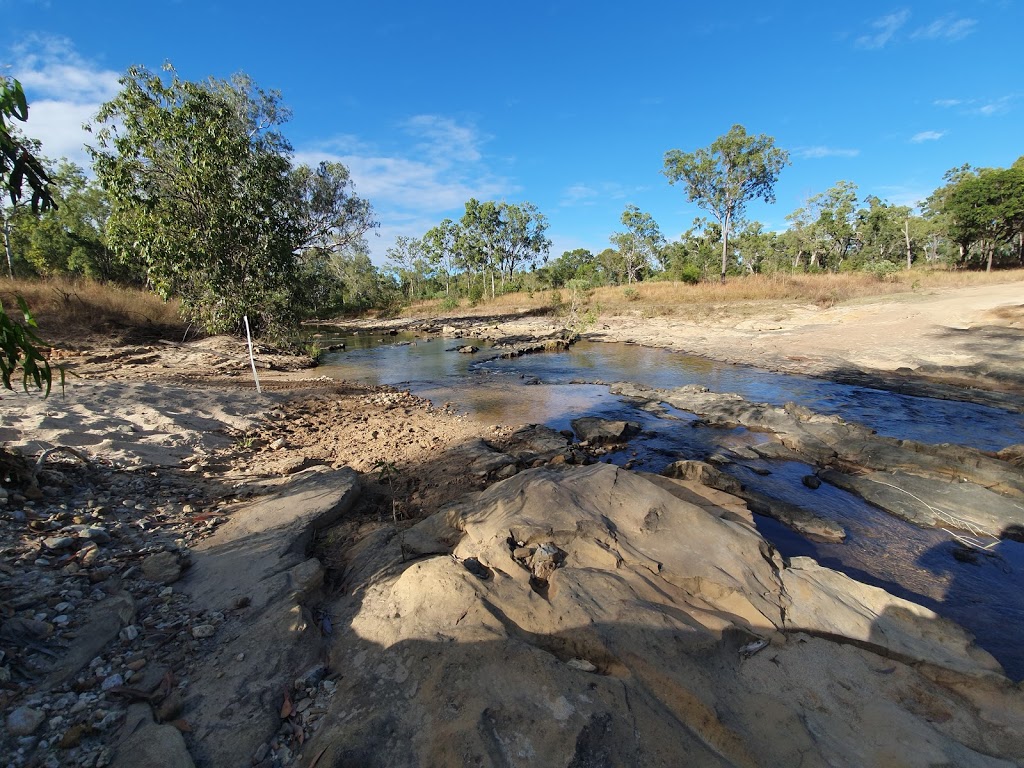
x=590, y=616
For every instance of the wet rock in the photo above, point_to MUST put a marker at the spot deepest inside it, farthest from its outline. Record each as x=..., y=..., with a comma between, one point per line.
x=705, y=474
x=799, y=519
x=811, y=481
x=932, y=503
x=24, y=721
x=163, y=568
x=468, y=349
x=595, y=430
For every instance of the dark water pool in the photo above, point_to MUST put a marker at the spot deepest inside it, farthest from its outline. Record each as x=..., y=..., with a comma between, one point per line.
x=986, y=595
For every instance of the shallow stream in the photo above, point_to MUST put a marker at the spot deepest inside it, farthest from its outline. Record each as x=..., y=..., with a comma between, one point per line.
x=986, y=595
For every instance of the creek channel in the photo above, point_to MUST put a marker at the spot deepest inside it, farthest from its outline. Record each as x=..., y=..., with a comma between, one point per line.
x=982, y=591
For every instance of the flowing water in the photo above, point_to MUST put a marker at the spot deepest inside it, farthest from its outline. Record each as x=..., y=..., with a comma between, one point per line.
x=985, y=593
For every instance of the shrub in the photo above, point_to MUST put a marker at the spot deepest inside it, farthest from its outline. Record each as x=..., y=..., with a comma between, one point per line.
x=690, y=274
x=630, y=294
x=449, y=303
x=882, y=270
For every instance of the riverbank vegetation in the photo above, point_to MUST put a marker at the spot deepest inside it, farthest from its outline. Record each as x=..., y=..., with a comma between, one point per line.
x=195, y=197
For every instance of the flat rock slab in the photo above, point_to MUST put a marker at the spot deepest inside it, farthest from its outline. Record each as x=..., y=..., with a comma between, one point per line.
x=256, y=570
x=933, y=503
x=268, y=536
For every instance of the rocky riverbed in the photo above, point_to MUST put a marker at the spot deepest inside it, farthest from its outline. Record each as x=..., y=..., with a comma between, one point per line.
x=331, y=574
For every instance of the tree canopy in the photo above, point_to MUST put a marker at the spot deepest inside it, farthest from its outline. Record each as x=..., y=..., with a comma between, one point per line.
x=203, y=194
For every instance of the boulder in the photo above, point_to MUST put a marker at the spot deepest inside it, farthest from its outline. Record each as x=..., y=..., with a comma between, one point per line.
x=595, y=430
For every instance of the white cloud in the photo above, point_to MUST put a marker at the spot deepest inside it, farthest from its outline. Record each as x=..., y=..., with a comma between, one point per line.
x=947, y=103
x=884, y=29
x=816, y=153
x=413, y=189
x=996, y=107
x=64, y=91
x=582, y=193
x=947, y=28
x=922, y=136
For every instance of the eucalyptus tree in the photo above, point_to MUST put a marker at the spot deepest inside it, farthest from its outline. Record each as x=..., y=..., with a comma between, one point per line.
x=442, y=249
x=521, y=237
x=722, y=178
x=639, y=244
x=409, y=264
x=200, y=192
x=826, y=227
x=498, y=237
x=884, y=233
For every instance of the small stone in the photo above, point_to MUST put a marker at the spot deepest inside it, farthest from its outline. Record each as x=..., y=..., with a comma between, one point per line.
x=136, y=664
x=202, y=631
x=58, y=542
x=581, y=664
x=240, y=657
x=278, y=444
x=166, y=591
x=23, y=721
x=113, y=681
x=95, y=533
x=130, y=633
x=61, y=620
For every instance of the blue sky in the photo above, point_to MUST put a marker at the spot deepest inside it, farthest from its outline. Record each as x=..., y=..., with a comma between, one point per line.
x=570, y=105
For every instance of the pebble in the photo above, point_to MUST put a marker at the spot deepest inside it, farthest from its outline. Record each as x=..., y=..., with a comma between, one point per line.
x=58, y=542
x=202, y=631
x=112, y=682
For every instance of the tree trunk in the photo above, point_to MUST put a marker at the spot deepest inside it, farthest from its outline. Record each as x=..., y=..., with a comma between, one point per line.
x=906, y=234
x=725, y=244
x=7, y=247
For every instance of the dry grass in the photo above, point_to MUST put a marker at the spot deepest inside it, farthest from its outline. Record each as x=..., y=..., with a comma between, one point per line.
x=737, y=296
x=70, y=309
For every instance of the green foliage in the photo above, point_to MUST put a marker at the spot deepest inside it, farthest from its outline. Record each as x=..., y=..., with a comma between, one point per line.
x=18, y=164
x=630, y=293
x=19, y=348
x=449, y=303
x=476, y=294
